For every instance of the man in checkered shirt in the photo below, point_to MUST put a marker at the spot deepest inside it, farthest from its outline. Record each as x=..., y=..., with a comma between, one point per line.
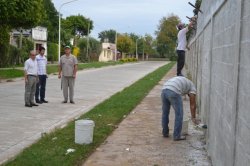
x=42, y=74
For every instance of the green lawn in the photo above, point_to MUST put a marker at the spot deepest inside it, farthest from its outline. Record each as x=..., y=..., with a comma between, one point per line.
x=49, y=151
x=14, y=73
x=10, y=73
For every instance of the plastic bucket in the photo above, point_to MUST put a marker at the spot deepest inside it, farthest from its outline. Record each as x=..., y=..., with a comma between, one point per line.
x=84, y=130
x=184, y=130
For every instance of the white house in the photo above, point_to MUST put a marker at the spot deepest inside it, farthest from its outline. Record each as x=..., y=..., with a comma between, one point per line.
x=108, y=52
x=38, y=35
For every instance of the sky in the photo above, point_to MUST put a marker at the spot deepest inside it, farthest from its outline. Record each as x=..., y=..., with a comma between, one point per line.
x=126, y=16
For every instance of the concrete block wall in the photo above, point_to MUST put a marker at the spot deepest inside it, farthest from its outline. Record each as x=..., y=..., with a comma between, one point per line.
x=219, y=63
x=243, y=106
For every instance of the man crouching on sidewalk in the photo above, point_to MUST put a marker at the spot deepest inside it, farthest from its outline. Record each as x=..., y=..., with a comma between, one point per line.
x=172, y=92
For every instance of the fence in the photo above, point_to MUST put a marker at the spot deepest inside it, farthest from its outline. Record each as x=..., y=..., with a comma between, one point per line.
x=219, y=65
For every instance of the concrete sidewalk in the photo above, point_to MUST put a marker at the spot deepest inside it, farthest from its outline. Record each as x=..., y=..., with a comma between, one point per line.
x=138, y=139
x=21, y=126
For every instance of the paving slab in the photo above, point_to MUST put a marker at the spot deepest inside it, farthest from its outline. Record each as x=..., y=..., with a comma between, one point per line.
x=138, y=139
x=21, y=126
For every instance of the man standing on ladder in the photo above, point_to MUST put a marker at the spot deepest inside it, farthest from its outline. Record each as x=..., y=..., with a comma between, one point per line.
x=182, y=45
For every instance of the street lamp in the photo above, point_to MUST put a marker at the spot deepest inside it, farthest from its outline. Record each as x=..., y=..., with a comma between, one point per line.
x=88, y=43
x=136, y=48
x=143, y=49
x=115, y=45
x=59, y=28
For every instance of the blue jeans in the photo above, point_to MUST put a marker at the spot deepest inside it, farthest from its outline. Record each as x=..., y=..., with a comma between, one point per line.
x=40, y=88
x=171, y=98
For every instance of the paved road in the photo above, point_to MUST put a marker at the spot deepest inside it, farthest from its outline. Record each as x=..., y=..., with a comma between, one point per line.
x=21, y=126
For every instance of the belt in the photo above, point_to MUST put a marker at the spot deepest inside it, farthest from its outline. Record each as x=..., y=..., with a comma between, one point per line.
x=32, y=75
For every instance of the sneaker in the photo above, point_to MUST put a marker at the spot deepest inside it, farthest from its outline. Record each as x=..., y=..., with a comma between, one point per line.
x=180, y=139
x=72, y=102
x=64, y=101
x=33, y=104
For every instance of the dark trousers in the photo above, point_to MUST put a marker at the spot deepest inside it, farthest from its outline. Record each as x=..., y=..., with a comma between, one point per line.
x=40, y=87
x=180, y=61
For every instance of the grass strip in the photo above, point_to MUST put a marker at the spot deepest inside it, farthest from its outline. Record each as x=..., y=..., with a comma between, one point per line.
x=82, y=66
x=50, y=150
x=11, y=73
x=15, y=73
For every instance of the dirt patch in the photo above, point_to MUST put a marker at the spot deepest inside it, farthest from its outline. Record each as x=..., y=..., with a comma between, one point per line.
x=138, y=139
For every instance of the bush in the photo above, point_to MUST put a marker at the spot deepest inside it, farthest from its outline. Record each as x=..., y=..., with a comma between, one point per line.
x=76, y=51
x=134, y=59
x=123, y=60
x=14, y=53
x=52, y=52
x=27, y=46
x=128, y=60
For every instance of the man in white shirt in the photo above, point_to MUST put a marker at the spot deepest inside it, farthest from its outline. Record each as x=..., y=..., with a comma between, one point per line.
x=30, y=76
x=182, y=45
x=42, y=74
x=172, y=92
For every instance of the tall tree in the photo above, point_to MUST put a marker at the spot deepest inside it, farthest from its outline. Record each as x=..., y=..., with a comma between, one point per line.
x=78, y=26
x=17, y=14
x=167, y=35
x=51, y=20
x=94, y=49
x=149, y=45
x=124, y=43
x=108, y=34
x=136, y=42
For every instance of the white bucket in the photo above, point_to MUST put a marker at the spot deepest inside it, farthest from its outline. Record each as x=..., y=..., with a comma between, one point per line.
x=84, y=131
x=184, y=130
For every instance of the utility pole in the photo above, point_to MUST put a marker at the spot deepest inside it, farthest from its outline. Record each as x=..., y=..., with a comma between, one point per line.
x=143, y=50
x=88, y=44
x=136, y=48
x=59, y=28
x=115, y=45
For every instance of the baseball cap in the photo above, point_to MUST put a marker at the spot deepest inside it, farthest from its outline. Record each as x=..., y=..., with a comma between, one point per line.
x=67, y=47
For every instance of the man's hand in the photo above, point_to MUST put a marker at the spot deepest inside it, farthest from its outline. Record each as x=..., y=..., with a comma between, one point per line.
x=59, y=76
x=192, y=100
x=74, y=75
